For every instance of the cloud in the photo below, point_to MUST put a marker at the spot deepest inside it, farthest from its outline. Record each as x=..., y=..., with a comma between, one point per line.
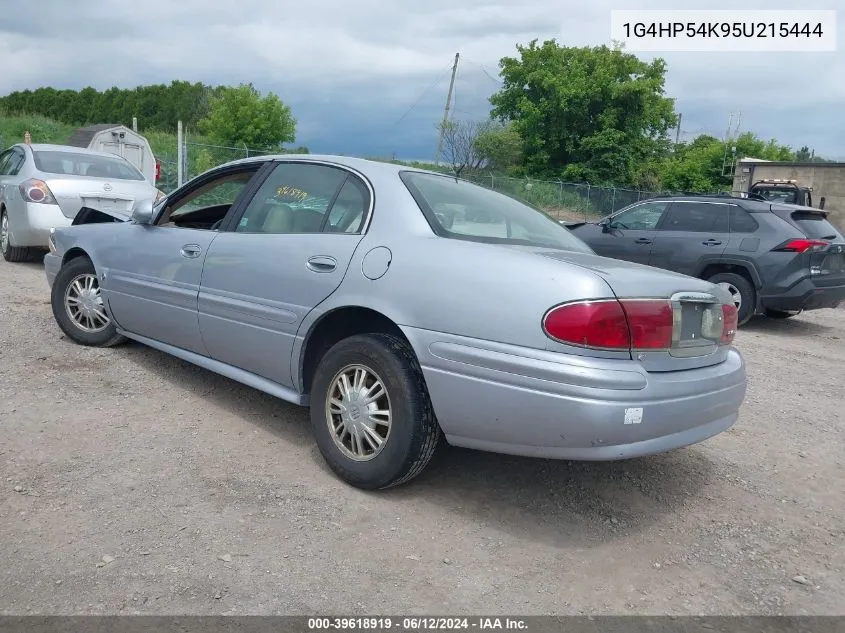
x=371, y=76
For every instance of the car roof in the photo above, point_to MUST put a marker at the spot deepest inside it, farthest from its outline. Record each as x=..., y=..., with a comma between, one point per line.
x=749, y=204
x=365, y=165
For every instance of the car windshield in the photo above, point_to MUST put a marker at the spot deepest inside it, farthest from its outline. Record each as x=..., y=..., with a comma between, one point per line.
x=79, y=164
x=459, y=209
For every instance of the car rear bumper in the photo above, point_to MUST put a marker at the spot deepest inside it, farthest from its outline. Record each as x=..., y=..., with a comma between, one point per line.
x=52, y=264
x=544, y=404
x=33, y=227
x=805, y=295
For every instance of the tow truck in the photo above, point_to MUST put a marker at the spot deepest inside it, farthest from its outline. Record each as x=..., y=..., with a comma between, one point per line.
x=783, y=191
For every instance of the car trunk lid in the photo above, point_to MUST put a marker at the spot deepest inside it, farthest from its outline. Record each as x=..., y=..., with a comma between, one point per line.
x=112, y=196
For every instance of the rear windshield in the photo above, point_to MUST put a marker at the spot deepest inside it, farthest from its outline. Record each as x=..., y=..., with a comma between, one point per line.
x=459, y=209
x=78, y=164
x=814, y=225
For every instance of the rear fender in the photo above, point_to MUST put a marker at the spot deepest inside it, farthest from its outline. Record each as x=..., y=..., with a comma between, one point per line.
x=745, y=265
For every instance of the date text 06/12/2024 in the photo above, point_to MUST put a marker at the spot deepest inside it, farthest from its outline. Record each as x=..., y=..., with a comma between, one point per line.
x=725, y=30
x=416, y=623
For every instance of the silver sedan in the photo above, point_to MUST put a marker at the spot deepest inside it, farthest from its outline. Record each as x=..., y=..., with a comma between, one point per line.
x=403, y=306
x=45, y=186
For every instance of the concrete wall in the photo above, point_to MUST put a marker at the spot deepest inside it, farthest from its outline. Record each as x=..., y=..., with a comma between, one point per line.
x=826, y=179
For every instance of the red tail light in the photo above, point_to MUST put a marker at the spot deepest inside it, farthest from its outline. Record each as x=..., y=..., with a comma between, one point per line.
x=611, y=324
x=158, y=171
x=589, y=324
x=650, y=323
x=801, y=246
x=629, y=324
x=730, y=323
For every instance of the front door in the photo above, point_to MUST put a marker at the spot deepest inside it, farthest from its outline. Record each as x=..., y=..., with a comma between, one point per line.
x=285, y=255
x=151, y=273
x=629, y=234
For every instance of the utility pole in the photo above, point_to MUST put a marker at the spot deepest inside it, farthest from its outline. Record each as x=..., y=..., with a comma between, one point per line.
x=678, y=131
x=180, y=152
x=446, y=110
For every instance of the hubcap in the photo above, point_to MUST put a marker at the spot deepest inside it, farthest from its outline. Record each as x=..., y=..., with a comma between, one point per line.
x=84, y=305
x=358, y=412
x=4, y=233
x=734, y=292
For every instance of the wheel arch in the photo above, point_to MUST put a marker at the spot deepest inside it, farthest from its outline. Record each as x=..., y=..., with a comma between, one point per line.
x=745, y=269
x=73, y=253
x=335, y=325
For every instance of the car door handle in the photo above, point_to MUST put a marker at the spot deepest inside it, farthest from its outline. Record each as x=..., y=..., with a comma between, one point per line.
x=711, y=242
x=642, y=240
x=191, y=251
x=322, y=264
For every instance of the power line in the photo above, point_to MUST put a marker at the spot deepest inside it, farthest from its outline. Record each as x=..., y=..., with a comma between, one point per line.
x=422, y=96
x=484, y=70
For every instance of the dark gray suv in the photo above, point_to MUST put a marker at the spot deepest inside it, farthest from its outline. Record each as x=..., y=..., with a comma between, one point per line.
x=775, y=259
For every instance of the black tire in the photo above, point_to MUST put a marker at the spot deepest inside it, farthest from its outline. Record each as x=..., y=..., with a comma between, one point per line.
x=779, y=314
x=11, y=253
x=414, y=432
x=747, y=294
x=71, y=271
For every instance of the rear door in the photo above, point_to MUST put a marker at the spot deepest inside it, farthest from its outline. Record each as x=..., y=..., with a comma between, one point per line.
x=629, y=234
x=287, y=253
x=691, y=235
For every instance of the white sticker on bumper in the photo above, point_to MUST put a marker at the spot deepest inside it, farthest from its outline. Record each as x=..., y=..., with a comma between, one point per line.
x=633, y=415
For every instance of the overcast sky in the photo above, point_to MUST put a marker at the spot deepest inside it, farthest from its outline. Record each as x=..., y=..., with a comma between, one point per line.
x=370, y=77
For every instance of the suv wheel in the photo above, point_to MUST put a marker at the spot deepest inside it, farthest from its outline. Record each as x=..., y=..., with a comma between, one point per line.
x=740, y=290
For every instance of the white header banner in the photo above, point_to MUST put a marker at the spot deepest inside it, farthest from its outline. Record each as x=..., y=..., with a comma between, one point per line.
x=678, y=30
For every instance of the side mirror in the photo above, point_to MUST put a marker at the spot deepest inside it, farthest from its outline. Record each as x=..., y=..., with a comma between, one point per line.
x=605, y=225
x=143, y=212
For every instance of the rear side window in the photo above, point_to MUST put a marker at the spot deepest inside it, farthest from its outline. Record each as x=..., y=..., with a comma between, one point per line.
x=11, y=162
x=4, y=161
x=814, y=225
x=741, y=221
x=697, y=217
x=91, y=165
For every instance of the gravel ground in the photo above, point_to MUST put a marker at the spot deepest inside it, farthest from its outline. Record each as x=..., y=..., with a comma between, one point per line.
x=132, y=482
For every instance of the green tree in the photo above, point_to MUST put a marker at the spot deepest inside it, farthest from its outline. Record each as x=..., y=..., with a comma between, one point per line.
x=698, y=166
x=500, y=146
x=242, y=116
x=591, y=114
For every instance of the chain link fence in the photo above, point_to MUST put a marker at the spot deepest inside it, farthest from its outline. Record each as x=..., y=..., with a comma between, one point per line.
x=572, y=202
x=567, y=201
x=197, y=158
